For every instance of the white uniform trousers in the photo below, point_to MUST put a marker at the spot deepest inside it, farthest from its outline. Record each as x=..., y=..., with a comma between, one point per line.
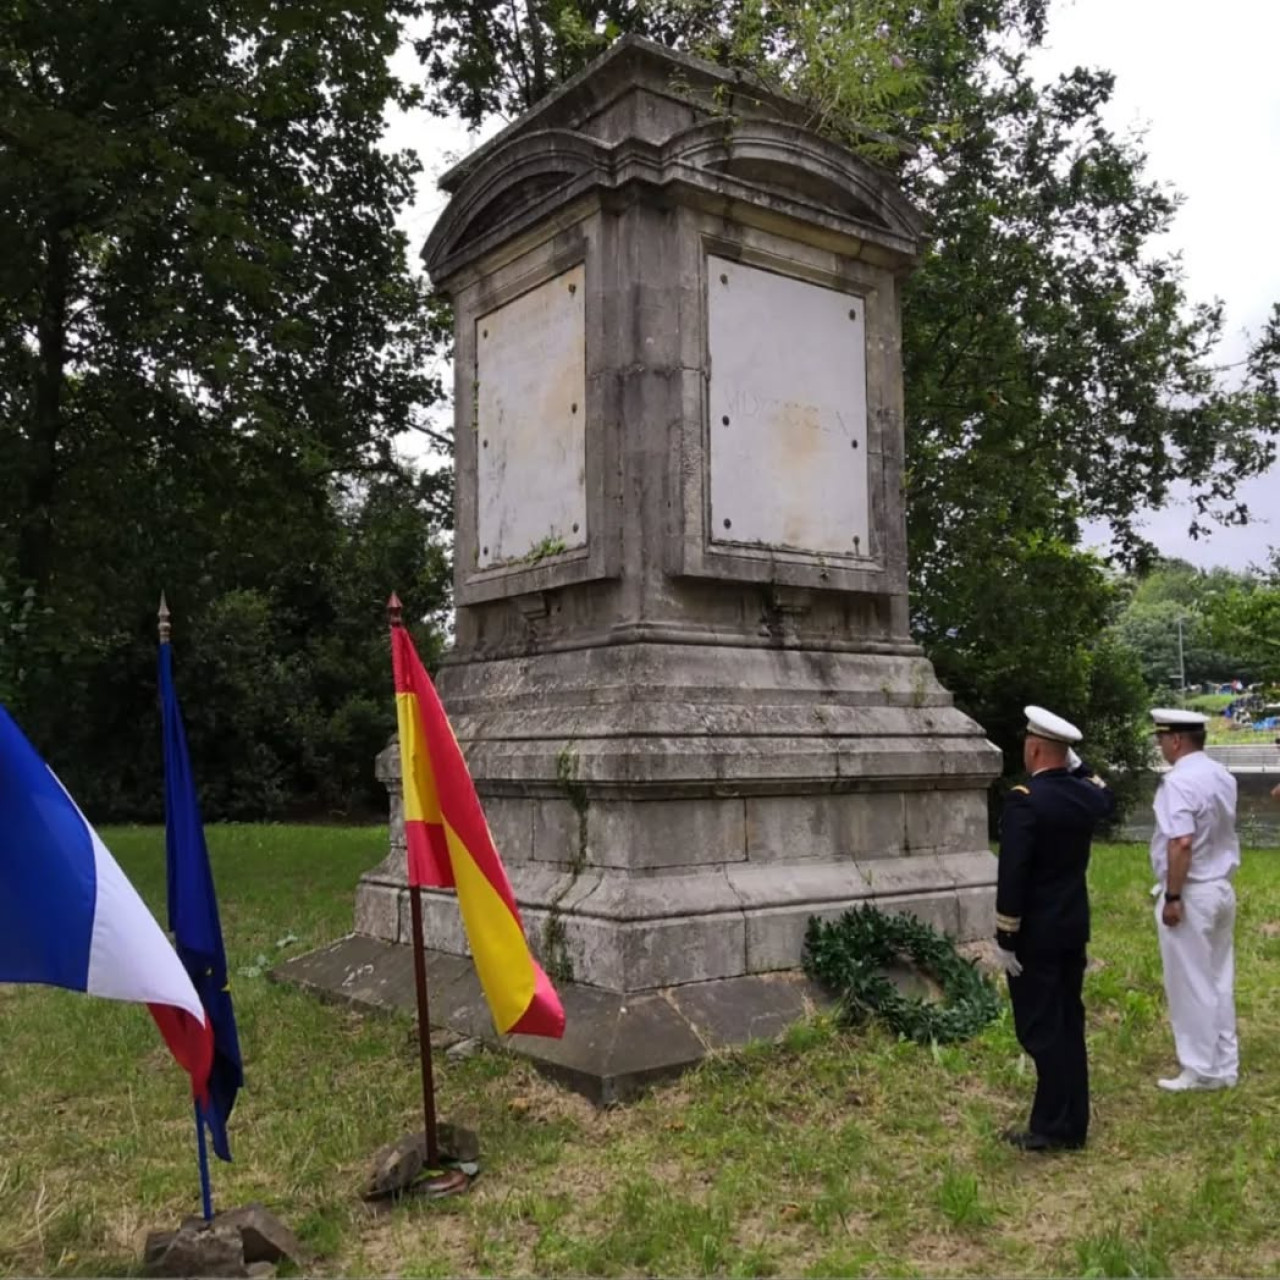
x=1199, y=979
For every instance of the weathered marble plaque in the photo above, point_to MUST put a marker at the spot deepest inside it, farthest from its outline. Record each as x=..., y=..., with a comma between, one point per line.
x=788, y=412
x=531, y=415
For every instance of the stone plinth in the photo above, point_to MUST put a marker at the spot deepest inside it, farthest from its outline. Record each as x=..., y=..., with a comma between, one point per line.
x=683, y=676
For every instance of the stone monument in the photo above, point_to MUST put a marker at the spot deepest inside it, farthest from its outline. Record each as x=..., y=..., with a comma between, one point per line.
x=683, y=675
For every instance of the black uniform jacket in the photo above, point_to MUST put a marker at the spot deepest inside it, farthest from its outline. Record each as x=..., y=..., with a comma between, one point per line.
x=1042, y=902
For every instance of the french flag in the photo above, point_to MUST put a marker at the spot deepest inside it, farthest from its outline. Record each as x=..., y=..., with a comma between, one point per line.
x=69, y=917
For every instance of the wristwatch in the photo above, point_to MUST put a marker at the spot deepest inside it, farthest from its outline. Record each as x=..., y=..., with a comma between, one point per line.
x=1172, y=897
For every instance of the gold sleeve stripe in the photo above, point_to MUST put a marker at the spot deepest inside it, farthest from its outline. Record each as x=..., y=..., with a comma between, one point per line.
x=1026, y=791
x=1008, y=924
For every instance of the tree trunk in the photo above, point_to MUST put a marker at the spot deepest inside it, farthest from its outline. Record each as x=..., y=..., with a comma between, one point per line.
x=35, y=546
x=539, y=85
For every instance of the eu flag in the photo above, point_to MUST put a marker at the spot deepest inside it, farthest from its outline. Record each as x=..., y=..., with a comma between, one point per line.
x=193, y=912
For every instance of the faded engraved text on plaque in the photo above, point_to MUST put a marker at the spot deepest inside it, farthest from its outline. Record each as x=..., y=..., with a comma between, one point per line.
x=788, y=412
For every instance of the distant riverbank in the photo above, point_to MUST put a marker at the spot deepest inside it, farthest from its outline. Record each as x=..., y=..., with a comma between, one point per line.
x=1257, y=814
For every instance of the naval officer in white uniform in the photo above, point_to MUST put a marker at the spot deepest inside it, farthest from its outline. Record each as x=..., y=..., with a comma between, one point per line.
x=1194, y=854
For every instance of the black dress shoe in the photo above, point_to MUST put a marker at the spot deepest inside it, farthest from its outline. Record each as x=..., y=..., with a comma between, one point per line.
x=1027, y=1141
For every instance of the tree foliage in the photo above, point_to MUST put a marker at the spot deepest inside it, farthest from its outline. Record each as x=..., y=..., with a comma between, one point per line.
x=1174, y=621
x=209, y=341
x=1245, y=616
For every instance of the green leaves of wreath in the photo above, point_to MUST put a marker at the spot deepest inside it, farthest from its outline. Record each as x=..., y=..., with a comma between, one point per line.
x=848, y=957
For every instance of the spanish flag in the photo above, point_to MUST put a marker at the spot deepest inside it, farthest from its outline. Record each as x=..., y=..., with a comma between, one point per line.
x=450, y=847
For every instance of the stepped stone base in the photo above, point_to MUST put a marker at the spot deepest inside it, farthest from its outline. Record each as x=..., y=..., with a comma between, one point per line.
x=614, y=1046
x=672, y=814
x=667, y=930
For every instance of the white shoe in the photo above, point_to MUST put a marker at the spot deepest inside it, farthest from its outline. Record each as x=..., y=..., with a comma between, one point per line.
x=1188, y=1082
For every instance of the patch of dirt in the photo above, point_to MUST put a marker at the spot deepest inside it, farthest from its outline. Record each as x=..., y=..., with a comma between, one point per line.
x=387, y=1240
x=797, y=1246
x=532, y=1094
x=954, y=1253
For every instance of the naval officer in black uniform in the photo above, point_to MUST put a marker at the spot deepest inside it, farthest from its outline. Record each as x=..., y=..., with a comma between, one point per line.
x=1042, y=923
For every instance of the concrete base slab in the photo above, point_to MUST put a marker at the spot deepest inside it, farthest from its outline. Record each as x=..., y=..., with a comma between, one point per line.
x=614, y=1045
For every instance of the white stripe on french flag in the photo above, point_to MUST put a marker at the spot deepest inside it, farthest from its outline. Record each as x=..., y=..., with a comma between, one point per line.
x=70, y=918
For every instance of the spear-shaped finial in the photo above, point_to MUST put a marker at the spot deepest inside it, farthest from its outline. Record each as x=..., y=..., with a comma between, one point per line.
x=163, y=616
x=395, y=610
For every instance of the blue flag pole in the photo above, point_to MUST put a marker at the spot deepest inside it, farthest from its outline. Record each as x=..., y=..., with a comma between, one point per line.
x=193, y=920
x=206, y=1195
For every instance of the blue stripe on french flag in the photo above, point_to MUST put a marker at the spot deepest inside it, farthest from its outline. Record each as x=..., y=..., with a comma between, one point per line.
x=70, y=918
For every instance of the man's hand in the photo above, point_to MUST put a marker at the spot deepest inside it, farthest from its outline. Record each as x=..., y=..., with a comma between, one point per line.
x=1009, y=962
x=1172, y=914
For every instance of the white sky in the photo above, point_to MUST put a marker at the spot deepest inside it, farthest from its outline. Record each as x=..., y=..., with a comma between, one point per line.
x=1200, y=82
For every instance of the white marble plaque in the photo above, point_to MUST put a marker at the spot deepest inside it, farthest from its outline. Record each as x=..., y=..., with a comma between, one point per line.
x=788, y=412
x=530, y=424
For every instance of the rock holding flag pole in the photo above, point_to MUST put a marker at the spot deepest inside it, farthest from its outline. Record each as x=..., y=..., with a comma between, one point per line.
x=237, y=1242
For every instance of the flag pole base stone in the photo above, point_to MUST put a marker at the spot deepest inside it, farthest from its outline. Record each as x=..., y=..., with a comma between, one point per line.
x=249, y=1241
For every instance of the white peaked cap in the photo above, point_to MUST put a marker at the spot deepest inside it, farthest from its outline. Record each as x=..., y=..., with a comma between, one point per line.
x=1173, y=718
x=1044, y=724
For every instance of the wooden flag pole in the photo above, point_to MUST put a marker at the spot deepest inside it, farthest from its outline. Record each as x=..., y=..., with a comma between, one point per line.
x=424, y=1029
x=395, y=616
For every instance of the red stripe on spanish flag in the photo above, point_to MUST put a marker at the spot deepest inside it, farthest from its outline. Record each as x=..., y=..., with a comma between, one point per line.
x=450, y=846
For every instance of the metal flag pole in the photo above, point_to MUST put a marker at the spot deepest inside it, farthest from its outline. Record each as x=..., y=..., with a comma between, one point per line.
x=395, y=612
x=206, y=1192
x=165, y=628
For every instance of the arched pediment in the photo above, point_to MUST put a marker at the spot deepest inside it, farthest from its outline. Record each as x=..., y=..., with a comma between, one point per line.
x=513, y=180
x=524, y=178
x=795, y=162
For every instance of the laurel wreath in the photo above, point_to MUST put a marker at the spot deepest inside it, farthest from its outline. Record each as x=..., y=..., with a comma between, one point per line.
x=848, y=957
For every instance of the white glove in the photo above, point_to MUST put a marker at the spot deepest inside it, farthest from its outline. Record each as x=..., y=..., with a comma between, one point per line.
x=1009, y=962
x=1073, y=760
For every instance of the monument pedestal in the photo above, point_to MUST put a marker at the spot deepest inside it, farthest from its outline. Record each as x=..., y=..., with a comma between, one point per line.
x=682, y=674
x=660, y=830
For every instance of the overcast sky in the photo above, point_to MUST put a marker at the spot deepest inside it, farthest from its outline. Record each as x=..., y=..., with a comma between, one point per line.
x=1199, y=80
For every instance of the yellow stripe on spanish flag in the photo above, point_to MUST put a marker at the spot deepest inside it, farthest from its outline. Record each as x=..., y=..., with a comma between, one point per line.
x=428, y=854
x=497, y=941
x=449, y=845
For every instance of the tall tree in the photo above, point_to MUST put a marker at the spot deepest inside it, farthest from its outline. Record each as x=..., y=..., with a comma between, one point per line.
x=201, y=258
x=1169, y=622
x=209, y=334
x=1245, y=617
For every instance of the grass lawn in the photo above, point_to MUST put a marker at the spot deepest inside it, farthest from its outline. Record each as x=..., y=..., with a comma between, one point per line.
x=1222, y=732
x=831, y=1154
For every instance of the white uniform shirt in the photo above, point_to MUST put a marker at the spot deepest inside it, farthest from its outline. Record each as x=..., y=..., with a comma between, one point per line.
x=1197, y=798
